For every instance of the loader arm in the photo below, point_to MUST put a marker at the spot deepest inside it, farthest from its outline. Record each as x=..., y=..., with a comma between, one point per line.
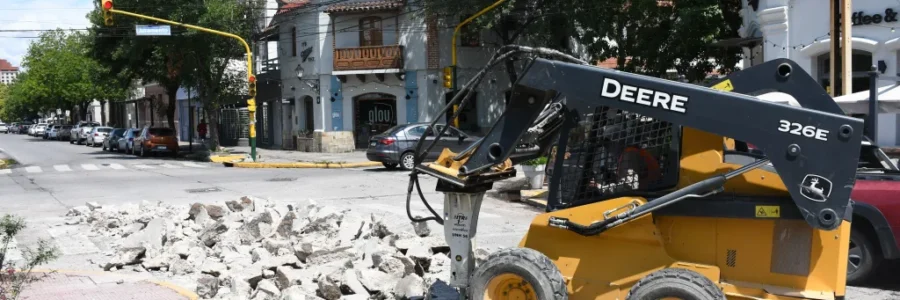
x=800, y=142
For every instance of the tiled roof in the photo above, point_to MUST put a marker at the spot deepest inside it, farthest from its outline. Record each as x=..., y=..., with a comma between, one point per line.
x=291, y=5
x=366, y=5
x=6, y=66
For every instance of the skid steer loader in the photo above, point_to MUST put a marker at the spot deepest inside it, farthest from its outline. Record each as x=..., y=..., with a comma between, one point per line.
x=646, y=200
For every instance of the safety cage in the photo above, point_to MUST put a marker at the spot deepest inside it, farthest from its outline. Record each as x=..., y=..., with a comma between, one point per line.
x=611, y=153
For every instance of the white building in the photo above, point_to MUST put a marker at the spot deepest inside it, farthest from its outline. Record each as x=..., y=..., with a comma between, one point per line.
x=8, y=72
x=349, y=70
x=799, y=30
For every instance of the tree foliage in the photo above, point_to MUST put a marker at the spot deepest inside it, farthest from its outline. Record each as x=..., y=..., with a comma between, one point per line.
x=60, y=74
x=643, y=36
x=187, y=57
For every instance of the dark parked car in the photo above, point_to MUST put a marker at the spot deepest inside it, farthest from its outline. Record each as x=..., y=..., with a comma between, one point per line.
x=395, y=146
x=111, y=141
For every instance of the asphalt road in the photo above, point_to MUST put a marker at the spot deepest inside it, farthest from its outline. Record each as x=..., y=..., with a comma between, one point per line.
x=53, y=176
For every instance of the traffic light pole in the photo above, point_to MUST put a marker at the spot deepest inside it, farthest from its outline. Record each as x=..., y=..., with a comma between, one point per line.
x=251, y=103
x=453, y=50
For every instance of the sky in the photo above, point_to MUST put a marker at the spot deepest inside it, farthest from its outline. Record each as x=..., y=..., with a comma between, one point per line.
x=36, y=15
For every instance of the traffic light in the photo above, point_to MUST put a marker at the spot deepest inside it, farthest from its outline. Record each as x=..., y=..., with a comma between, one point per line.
x=107, y=16
x=252, y=90
x=449, y=72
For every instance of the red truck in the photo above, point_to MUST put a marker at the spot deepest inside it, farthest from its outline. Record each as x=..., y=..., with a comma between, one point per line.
x=876, y=214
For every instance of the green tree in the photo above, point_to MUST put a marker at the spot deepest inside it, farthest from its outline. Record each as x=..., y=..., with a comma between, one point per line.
x=188, y=57
x=643, y=36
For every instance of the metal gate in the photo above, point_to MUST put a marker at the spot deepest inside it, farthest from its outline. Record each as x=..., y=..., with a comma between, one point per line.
x=233, y=126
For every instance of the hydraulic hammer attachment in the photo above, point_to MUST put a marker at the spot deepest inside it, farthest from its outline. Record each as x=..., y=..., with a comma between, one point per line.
x=569, y=105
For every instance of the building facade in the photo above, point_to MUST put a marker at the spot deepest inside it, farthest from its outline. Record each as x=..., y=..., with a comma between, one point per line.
x=8, y=72
x=799, y=30
x=350, y=70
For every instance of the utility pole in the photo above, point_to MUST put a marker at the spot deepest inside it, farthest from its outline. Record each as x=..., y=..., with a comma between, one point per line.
x=841, y=74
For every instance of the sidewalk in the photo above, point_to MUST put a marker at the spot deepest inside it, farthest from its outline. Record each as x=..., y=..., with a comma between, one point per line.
x=270, y=155
x=100, y=286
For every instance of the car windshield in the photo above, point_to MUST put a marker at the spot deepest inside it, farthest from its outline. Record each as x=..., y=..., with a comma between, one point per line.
x=107, y=129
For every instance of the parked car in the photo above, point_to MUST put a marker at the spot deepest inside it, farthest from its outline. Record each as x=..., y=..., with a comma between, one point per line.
x=126, y=143
x=156, y=139
x=112, y=140
x=23, y=128
x=97, y=135
x=396, y=145
x=4, y=128
x=53, y=133
x=80, y=131
x=46, y=132
x=64, y=132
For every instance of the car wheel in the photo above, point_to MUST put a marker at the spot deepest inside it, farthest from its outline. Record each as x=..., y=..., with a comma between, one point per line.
x=407, y=161
x=863, y=257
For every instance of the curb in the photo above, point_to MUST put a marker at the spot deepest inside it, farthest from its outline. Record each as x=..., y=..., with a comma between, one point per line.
x=301, y=165
x=165, y=284
x=536, y=198
x=227, y=158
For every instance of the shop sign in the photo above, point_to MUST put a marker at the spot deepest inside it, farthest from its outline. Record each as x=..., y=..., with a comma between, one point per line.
x=860, y=18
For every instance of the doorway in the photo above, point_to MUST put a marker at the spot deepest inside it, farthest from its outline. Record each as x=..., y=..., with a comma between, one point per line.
x=308, y=115
x=373, y=113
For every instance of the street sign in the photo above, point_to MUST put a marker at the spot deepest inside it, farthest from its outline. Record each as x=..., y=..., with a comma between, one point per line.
x=152, y=30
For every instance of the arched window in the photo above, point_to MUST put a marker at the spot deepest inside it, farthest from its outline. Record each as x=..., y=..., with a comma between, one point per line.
x=370, y=31
x=862, y=62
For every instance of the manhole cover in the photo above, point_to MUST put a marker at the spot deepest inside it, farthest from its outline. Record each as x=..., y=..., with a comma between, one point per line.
x=281, y=179
x=204, y=190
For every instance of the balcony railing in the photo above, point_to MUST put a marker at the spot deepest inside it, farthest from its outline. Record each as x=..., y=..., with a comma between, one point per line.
x=368, y=58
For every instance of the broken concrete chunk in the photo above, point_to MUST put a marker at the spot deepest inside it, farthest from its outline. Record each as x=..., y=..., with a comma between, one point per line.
x=267, y=286
x=195, y=209
x=213, y=268
x=350, y=229
x=376, y=281
x=81, y=210
x=410, y=286
x=267, y=274
x=288, y=276
x=274, y=246
x=259, y=254
x=202, y=217
x=297, y=293
x=125, y=256
x=216, y=212
x=379, y=229
x=93, y=206
x=395, y=265
x=352, y=285
x=207, y=286
x=421, y=228
x=334, y=254
x=329, y=288
x=212, y=234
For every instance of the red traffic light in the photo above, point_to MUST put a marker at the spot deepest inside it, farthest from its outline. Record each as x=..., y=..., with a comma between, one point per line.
x=107, y=5
x=252, y=79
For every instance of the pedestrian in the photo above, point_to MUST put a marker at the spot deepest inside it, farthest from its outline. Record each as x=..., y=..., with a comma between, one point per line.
x=201, y=130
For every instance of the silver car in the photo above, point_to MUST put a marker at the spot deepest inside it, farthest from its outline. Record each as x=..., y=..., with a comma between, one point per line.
x=79, y=132
x=4, y=128
x=97, y=135
x=126, y=143
x=54, y=132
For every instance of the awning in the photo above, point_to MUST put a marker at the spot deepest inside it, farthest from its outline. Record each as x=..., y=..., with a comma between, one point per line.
x=856, y=103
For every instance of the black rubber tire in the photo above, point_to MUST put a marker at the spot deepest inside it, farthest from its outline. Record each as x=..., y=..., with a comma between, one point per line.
x=390, y=166
x=405, y=158
x=536, y=268
x=868, y=260
x=675, y=282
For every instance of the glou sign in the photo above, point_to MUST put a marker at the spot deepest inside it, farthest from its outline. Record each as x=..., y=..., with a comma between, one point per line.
x=860, y=18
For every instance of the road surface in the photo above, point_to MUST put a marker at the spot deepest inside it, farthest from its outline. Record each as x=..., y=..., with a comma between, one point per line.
x=54, y=176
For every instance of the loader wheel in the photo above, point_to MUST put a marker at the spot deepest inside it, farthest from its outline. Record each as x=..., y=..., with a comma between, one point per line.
x=518, y=273
x=675, y=283
x=862, y=257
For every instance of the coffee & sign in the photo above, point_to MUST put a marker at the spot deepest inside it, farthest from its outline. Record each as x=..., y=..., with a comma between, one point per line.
x=861, y=18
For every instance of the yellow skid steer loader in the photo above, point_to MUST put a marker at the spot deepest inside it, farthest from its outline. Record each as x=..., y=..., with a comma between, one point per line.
x=646, y=199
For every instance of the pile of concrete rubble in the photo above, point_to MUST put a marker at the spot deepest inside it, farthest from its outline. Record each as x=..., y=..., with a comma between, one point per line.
x=253, y=249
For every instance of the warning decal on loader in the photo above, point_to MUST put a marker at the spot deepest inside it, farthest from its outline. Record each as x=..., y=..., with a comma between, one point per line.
x=724, y=86
x=763, y=211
